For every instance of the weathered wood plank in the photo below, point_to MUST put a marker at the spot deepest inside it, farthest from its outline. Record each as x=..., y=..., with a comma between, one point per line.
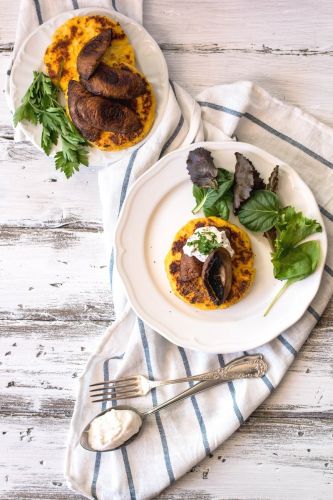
x=35, y=422
x=54, y=274
x=280, y=24
x=39, y=375
x=278, y=449
x=277, y=24
x=41, y=196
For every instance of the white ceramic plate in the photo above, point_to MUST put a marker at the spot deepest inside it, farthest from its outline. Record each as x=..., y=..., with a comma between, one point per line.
x=149, y=58
x=157, y=206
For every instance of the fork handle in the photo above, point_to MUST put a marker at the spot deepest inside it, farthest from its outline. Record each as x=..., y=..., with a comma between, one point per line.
x=246, y=367
x=249, y=366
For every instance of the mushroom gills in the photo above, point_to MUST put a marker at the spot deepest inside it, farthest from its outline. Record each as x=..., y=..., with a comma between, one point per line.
x=217, y=275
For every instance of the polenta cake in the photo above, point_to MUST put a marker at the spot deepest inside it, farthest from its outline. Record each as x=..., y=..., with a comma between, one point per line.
x=209, y=271
x=119, y=93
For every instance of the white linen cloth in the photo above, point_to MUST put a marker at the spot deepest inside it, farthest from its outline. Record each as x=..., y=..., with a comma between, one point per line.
x=174, y=441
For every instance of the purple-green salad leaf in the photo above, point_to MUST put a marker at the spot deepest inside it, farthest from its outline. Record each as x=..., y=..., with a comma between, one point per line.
x=212, y=186
x=273, y=181
x=201, y=168
x=247, y=179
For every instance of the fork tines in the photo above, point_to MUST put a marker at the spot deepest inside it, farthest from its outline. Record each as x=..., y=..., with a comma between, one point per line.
x=110, y=390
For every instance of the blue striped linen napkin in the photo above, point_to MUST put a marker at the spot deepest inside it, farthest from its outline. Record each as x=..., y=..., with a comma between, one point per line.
x=173, y=442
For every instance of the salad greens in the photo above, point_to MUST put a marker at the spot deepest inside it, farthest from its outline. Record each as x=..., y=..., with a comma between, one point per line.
x=293, y=227
x=292, y=260
x=297, y=264
x=260, y=210
x=214, y=201
x=40, y=105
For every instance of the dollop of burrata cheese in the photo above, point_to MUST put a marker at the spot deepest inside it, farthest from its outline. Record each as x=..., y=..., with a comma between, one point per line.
x=209, y=232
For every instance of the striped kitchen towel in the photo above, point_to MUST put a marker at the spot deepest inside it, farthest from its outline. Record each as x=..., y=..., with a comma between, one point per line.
x=173, y=442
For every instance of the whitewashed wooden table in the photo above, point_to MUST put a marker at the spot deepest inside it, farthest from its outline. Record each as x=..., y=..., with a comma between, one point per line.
x=55, y=299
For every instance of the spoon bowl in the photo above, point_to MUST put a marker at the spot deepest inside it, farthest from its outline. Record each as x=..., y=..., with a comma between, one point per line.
x=84, y=439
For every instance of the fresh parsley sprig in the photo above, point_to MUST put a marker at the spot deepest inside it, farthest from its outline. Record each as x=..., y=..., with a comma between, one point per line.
x=40, y=105
x=205, y=243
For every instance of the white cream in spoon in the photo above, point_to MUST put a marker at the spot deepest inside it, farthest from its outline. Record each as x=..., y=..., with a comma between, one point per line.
x=113, y=429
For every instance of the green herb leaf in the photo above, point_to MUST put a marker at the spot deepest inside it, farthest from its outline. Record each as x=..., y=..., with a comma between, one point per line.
x=214, y=195
x=224, y=175
x=220, y=209
x=293, y=227
x=205, y=243
x=223, y=209
x=214, y=202
x=298, y=263
x=40, y=105
x=260, y=212
x=200, y=195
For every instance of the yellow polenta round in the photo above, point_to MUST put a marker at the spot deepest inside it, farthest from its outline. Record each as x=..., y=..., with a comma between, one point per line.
x=60, y=61
x=194, y=292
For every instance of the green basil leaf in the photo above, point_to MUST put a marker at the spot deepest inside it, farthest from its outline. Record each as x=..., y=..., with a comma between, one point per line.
x=210, y=211
x=229, y=196
x=220, y=209
x=223, y=210
x=200, y=195
x=260, y=212
x=298, y=263
x=214, y=195
x=224, y=175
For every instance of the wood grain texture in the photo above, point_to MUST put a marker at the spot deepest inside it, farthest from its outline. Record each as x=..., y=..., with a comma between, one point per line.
x=289, y=437
x=43, y=197
x=55, y=299
x=49, y=271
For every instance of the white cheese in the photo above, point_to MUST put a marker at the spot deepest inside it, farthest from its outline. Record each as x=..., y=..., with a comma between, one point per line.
x=113, y=429
x=210, y=232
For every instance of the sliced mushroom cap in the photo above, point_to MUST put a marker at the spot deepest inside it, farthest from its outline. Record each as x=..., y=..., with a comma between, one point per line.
x=77, y=92
x=92, y=52
x=217, y=275
x=118, y=83
x=190, y=268
x=106, y=114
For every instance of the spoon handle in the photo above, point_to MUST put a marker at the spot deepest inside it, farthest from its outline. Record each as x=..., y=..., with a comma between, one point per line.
x=248, y=366
x=252, y=366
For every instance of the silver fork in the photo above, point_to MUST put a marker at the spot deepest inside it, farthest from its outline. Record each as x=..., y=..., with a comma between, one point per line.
x=250, y=366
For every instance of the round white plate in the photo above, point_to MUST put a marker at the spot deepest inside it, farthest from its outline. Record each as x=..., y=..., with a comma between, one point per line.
x=149, y=58
x=157, y=206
